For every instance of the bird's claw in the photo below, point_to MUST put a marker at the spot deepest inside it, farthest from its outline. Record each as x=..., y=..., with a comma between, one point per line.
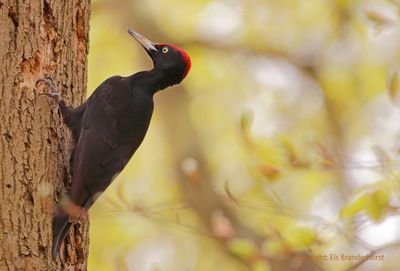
x=51, y=85
x=55, y=96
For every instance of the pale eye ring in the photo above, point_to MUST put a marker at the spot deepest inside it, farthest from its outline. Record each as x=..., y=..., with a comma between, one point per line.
x=164, y=49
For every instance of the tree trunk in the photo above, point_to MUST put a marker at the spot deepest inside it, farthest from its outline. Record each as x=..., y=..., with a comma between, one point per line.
x=38, y=39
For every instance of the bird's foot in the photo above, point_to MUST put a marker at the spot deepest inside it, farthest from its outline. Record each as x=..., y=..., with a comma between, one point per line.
x=54, y=94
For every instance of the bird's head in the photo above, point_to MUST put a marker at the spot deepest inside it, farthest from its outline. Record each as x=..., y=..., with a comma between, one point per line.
x=167, y=58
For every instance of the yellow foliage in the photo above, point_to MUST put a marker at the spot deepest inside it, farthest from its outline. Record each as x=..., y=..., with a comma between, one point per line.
x=299, y=238
x=375, y=204
x=273, y=247
x=354, y=207
x=243, y=248
x=261, y=266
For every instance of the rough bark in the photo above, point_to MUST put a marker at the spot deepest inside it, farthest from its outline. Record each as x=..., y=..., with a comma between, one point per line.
x=38, y=39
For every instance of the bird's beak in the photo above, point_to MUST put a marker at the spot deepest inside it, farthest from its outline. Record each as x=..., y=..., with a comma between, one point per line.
x=146, y=44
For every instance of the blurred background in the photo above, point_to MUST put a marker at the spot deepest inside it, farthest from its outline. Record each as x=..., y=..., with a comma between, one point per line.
x=283, y=140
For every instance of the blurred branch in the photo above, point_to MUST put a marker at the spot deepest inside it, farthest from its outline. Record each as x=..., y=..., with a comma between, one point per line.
x=223, y=224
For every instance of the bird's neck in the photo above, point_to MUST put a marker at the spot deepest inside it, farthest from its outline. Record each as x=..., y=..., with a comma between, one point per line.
x=152, y=81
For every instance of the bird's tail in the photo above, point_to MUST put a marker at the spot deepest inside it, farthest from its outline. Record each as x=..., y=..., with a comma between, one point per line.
x=61, y=227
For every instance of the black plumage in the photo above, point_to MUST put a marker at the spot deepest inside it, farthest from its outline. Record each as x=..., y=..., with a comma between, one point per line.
x=110, y=126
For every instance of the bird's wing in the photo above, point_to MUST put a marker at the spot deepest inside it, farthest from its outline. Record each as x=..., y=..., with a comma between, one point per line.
x=101, y=152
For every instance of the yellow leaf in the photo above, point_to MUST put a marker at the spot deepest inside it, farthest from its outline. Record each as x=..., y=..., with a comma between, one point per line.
x=272, y=247
x=354, y=207
x=343, y=4
x=242, y=248
x=261, y=266
x=299, y=238
x=378, y=204
x=375, y=205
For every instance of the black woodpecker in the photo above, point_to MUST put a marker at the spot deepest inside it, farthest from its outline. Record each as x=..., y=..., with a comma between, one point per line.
x=109, y=127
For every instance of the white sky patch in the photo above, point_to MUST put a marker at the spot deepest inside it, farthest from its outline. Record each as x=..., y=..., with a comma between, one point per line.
x=386, y=124
x=364, y=170
x=162, y=254
x=221, y=20
x=268, y=73
x=383, y=132
x=284, y=96
x=265, y=121
x=326, y=204
x=385, y=232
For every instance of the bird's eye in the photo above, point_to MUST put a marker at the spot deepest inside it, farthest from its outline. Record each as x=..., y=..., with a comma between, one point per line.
x=164, y=49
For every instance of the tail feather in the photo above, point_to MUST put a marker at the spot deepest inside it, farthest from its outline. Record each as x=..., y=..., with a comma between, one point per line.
x=60, y=230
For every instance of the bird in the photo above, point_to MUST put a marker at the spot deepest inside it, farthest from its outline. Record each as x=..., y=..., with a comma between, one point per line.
x=109, y=127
